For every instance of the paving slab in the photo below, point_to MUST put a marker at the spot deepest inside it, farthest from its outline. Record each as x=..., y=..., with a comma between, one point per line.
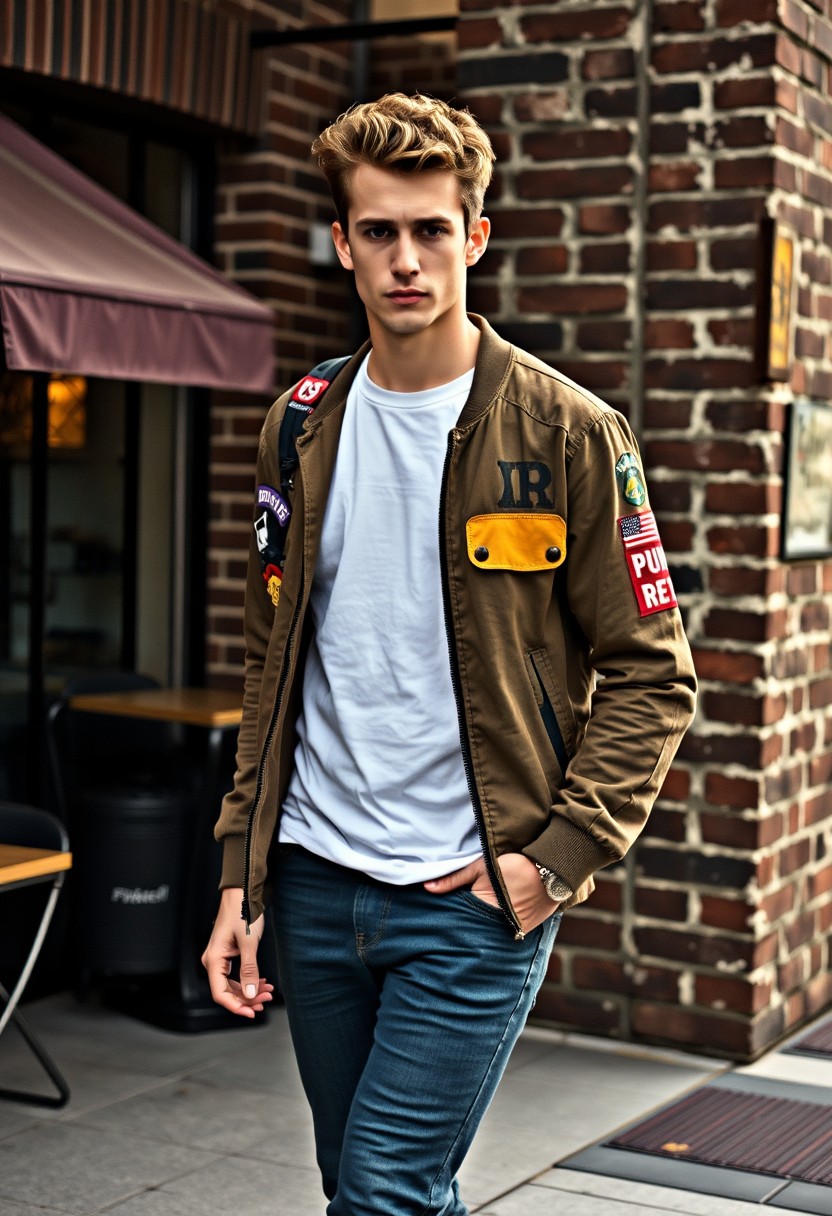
x=81, y=1169
x=690, y=1203
x=234, y=1187
x=247, y=1122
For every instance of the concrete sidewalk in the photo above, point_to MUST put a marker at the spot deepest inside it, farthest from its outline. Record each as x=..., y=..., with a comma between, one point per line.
x=181, y=1125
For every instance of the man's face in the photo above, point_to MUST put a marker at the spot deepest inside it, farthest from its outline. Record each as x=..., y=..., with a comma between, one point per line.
x=407, y=244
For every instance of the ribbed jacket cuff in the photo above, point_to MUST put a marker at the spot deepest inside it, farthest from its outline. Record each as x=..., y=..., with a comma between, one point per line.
x=570, y=852
x=233, y=861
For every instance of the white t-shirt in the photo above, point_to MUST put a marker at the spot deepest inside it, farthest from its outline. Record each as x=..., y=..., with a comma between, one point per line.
x=379, y=783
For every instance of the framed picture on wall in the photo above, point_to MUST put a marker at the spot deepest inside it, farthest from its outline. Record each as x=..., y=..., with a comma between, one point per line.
x=807, y=502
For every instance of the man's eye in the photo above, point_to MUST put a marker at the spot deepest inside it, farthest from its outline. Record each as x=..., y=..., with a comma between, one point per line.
x=377, y=232
x=434, y=230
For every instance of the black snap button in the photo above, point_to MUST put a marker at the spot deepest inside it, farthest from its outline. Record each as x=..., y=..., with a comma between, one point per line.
x=481, y=553
x=553, y=554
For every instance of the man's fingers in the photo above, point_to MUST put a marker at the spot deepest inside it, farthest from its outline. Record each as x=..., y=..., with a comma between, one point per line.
x=459, y=878
x=249, y=972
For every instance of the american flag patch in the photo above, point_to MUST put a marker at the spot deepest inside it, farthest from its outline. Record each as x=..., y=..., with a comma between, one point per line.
x=647, y=563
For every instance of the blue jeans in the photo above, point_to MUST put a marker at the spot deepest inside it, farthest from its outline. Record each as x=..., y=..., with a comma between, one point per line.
x=404, y=1007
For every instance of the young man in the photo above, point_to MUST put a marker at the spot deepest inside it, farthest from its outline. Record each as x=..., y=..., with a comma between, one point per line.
x=427, y=772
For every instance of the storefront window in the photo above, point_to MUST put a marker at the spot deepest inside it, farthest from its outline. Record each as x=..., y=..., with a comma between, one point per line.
x=105, y=557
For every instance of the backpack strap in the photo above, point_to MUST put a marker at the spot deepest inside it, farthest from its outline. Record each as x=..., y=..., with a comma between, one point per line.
x=273, y=513
x=301, y=404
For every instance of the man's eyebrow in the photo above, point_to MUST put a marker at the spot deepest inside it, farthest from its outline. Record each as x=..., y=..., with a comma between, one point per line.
x=420, y=221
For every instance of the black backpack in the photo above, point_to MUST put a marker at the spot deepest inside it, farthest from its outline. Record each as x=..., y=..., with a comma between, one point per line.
x=271, y=524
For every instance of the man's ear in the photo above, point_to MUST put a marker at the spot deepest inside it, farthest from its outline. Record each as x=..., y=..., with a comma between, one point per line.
x=477, y=242
x=342, y=246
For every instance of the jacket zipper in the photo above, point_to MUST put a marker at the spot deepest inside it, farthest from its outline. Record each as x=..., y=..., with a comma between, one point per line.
x=258, y=789
x=463, y=728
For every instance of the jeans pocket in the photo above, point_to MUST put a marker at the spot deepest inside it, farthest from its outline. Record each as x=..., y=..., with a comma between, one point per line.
x=489, y=911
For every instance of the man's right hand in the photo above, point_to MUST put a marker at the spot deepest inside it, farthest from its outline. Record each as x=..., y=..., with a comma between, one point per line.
x=229, y=940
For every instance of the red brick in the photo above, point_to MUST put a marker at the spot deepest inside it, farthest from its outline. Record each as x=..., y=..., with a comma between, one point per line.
x=747, y=540
x=661, y=904
x=603, y=218
x=738, y=832
x=728, y=665
x=528, y=222
x=666, y=824
x=606, y=258
x=573, y=298
x=741, y=498
x=794, y=857
x=577, y=144
x=713, y=455
x=574, y=183
x=746, y=625
x=485, y=31
x=820, y=883
x=820, y=694
x=549, y=105
x=745, y=91
x=681, y=15
x=614, y=64
x=820, y=769
x=667, y=176
x=590, y=1013
x=819, y=809
x=671, y=255
x=736, y=12
x=604, y=335
x=739, y=792
x=669, y=334
x=609, y=976
x=743, y=131
x=702, y=55
x=561, y=27
x=672, y=1024
x=543, y=259
x=707, y=950
x=606, y=897
x=756, y=710
x=589, y=931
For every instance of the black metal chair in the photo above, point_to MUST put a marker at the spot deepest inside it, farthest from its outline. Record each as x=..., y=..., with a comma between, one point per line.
x=34, y=848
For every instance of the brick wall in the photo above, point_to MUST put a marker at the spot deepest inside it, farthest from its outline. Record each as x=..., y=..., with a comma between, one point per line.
x=624, y=182
x=267, y=198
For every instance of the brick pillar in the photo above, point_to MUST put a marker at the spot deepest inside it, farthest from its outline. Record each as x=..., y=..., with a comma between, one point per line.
x=267, y=198
x=714, y=934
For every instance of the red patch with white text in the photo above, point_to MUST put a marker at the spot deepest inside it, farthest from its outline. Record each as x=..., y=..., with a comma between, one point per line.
x=647, y=563
x=309, y=390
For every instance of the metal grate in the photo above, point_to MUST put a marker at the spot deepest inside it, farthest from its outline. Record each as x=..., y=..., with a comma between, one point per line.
x=736, y=1130
x=817, y=1043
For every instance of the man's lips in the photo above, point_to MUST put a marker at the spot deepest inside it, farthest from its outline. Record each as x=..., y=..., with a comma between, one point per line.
x=406, y=296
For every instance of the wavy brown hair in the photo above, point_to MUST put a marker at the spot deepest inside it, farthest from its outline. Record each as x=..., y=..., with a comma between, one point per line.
x=407, y=134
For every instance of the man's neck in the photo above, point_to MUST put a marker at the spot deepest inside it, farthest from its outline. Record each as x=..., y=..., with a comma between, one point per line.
x=412, y=363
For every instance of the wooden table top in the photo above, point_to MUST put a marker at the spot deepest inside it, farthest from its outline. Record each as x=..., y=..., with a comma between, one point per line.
x=18, y=863
x=191, y=706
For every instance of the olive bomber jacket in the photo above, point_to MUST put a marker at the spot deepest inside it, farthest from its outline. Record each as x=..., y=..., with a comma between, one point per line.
x=573, y=677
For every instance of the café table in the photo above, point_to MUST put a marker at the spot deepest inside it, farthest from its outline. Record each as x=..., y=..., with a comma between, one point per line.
x=24, y=866
x=189, y=1007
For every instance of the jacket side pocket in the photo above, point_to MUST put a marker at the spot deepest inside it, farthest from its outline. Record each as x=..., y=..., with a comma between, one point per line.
x=547, y=710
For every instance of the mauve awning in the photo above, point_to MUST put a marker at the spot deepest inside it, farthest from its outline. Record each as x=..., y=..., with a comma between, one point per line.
x=89, y=286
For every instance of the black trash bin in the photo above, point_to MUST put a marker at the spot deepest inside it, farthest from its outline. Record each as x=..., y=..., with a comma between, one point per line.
x=130, y=878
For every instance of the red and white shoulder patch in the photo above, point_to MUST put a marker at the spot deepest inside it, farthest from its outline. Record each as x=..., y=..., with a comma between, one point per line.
x=647, y=563
x=310, y=389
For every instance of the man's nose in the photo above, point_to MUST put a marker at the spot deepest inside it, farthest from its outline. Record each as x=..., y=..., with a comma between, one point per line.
x=405, y=257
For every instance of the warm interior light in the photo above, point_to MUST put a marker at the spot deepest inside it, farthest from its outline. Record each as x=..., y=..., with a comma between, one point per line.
x=67, y=397
x=67, y=411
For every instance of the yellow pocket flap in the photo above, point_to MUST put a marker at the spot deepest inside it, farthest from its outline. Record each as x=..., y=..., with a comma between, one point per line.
x=516, y=542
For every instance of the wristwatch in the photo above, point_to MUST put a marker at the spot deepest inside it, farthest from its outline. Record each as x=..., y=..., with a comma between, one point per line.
x=553, y=884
